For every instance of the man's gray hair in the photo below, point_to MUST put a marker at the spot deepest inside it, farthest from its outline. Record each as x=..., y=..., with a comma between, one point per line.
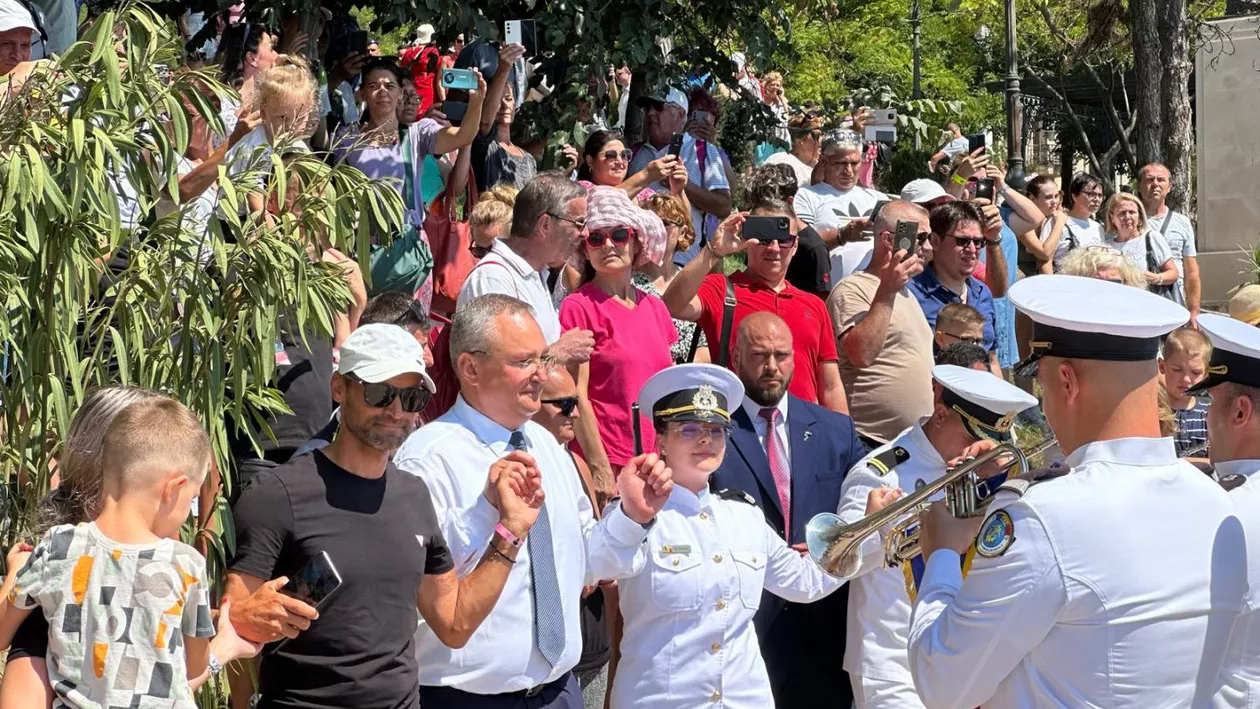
x=841, y=140
x=897, y=210
x=549, y=193
x=472, y=327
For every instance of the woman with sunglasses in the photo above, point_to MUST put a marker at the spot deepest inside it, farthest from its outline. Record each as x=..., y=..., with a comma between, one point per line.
x=606, y=159
x=689, y=594
x=245, y=51
x=806, y=132
x=653, y=279
x=633, y=331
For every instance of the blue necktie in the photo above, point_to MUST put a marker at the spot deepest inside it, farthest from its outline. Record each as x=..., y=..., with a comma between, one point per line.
x=548, y=613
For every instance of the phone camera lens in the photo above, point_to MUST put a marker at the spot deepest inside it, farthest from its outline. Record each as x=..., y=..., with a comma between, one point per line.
x=449, y=77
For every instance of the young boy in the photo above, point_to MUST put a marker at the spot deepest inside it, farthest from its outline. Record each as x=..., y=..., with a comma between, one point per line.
x=1184, y=364
x=958, y=321
x=127, y=605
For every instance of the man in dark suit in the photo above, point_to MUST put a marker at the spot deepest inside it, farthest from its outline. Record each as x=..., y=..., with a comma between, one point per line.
x=791, y=477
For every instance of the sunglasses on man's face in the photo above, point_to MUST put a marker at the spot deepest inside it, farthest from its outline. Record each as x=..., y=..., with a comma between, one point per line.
x=619, y=236
x=965, y=241
x=566, y=404
x=785, y=241
x=381, y=395
x=624, y=155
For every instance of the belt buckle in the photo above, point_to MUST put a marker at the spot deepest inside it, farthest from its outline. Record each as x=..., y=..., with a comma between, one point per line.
x=535, y=691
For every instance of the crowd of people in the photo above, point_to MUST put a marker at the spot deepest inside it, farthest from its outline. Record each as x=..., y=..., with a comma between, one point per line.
x=574, y=461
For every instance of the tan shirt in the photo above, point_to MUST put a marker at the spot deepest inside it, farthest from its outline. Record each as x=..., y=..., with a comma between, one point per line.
x=892, y=394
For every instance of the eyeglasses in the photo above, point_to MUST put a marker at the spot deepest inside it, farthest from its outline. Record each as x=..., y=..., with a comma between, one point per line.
x=965, y=241
x=380, y=395
x=479, y=252
x=697, y=431
x=972, y=340
x=1093, y=195
x=566, y=404
x=579, y=223
x=531, y=365
x=625, y=155
x=619, y=236
x=415, y=315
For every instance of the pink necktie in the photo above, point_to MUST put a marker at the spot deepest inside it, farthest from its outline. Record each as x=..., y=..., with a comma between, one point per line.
x=779, y=468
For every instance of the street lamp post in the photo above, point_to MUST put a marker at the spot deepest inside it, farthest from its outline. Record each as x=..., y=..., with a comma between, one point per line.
x=1014, y=114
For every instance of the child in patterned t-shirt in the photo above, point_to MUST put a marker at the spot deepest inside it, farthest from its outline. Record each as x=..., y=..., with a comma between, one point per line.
x=1182, y=365
x=128, y=606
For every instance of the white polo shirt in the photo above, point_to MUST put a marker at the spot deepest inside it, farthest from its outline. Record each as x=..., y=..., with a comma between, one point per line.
x=503, y=271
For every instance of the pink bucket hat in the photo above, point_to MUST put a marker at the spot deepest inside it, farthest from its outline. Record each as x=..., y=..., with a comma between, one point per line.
x=610, y=207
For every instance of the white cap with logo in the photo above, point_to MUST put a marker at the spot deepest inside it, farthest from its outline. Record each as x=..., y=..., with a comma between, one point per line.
x=923, y=191
x=375, y=353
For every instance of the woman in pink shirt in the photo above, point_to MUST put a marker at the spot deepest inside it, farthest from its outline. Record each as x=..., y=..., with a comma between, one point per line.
x=633, y=330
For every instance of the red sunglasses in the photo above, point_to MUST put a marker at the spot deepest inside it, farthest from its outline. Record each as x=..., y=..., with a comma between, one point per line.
x=619, y=236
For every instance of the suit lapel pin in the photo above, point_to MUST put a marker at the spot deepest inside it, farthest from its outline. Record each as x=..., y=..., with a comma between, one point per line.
x=808, y=434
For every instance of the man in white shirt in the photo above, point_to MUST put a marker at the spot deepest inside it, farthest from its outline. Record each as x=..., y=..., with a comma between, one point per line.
x=548, y=224
x=838, y=196
x=1071, y=600
x=707, y=188
x=1234, y=433
x=528, y=645
x=18, y=34
x=1154, y=182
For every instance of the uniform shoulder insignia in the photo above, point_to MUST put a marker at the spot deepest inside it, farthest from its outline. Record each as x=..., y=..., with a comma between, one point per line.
x=736, y=496
x=1020, y=484
x=889, y=459
x=996, y=535
x=1229, y=482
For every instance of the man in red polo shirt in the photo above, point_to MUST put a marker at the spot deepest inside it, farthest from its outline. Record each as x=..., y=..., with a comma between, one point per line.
x=700, y=297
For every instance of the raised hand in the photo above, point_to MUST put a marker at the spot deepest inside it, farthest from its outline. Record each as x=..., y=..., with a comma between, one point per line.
x=508, y=54
x=880, y=498
x=726, y=239
x=645, y=483
x=509, y=462
x=519, y=490
x=678, y=178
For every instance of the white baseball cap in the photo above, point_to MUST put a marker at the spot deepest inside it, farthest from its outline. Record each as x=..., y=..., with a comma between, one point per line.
x=673, y=96
x=923, y=191
x=13, y=16
x=375, y=353
x=424, y=33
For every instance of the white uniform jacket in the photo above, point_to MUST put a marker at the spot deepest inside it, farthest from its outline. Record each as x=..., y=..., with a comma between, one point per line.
x=1114, y=586
x=1240, y=677
x=688, y=598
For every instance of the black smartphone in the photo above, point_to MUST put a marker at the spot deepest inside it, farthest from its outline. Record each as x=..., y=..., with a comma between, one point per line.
x=905, y=238
x=984, y=189
x=975, y=141
x=359, y=42
x=768, y=229
x=675, y=145
x=315, y=582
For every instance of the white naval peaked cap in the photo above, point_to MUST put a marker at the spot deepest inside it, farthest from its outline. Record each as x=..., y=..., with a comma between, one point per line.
x=692, y=392
x=1089, y=318
x=987, y=403
x=1235, y=352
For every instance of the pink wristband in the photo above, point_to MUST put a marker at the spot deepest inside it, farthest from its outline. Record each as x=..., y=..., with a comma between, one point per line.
x=507, y=535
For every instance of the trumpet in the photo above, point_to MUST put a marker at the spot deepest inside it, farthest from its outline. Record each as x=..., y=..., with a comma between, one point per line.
x=836, y=547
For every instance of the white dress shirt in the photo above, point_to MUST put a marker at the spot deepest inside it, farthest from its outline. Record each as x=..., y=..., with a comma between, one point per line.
x=688, y=599
x=1241, y=674
x=503, y=271
x=1118, y=591
x=453, y=456
x=879, y=607
x=753, y=409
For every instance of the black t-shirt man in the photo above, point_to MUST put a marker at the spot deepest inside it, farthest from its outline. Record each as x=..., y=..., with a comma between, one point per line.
x=810, y=268
x=382, y=535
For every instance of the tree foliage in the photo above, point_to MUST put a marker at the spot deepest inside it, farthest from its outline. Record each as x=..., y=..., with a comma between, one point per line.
x=188, y=312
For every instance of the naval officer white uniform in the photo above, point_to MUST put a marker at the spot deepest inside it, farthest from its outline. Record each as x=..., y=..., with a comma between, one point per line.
x=1114, y=585
x=968, y=405
x=1233, y=381
x=689, y=595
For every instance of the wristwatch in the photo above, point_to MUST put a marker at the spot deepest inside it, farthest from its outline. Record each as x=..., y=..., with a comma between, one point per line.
x=214, y=665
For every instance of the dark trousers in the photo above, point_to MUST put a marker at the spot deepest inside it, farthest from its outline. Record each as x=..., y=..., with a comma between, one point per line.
x=564, y=693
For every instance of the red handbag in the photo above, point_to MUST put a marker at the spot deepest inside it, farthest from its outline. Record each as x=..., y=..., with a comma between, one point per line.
x=449, y=239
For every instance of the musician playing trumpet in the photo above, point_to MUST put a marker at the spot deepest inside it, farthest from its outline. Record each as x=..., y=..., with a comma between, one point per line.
x=968, y=405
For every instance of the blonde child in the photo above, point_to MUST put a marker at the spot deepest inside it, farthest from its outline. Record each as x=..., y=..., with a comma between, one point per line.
x=128, y=605
x=1184, y=364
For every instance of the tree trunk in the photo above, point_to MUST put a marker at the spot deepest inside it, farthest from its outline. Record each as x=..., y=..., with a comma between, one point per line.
x=1177, y=138
x=1147, y=70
